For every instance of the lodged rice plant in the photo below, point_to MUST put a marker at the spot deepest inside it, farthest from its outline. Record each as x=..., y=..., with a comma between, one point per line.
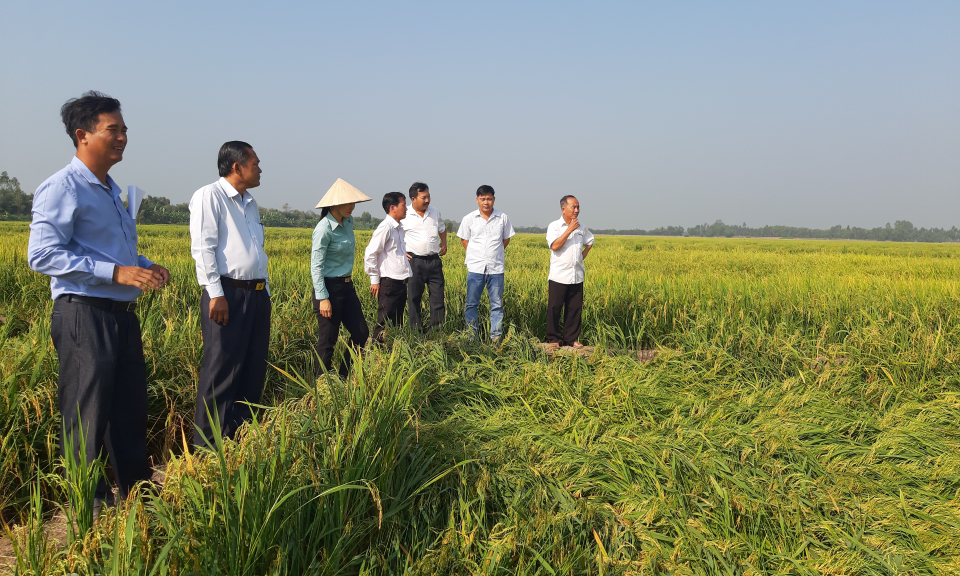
x=800, y=417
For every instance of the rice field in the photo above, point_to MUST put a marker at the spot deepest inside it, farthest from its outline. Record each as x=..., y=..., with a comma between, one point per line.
x=801, y=417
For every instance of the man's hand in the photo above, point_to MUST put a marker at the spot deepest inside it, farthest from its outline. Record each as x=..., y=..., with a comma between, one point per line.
x=375, y=290
x=163, y=272
x=574, y=224
x=326, y=310
x=219, y=310
x=443, y=248
x=143, y=279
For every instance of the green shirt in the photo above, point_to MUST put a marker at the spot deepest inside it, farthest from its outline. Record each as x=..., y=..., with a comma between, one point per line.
x=333, y=252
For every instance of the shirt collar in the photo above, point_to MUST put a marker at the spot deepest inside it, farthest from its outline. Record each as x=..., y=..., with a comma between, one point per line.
x=412, y=212
x=391, y=222
x=90, y=176
x=231, y=192
x=334, y=223
x=493, y=214
x=227, y=187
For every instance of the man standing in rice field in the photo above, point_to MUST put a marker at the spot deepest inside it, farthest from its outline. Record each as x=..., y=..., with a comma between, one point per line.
x=485, y=234
x=426, y=237
x=385, y=262
x=569, y=242
x=226, y=241
x=84, y=238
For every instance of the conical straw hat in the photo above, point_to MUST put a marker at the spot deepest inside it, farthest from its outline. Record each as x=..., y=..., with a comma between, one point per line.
x=342, y=193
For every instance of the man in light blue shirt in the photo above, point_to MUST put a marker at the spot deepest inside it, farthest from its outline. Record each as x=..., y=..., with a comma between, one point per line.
x=84, y=239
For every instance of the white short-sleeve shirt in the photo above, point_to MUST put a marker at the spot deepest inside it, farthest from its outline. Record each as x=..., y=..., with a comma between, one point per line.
x=422, y=233
x=485, y=241
x=566, y=264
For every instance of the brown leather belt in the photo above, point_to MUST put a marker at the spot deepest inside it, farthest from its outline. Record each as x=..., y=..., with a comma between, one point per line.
x=101, y=303
x=258, y=284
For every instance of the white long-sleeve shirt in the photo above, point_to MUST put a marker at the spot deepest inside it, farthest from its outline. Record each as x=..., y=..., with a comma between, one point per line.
x=386, y=254
x=422, y=233
x=485, y=241
x=226, y=237
x=566, y=264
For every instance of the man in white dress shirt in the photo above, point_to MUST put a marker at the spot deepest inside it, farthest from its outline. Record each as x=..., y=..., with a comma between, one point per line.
x=226, y=240
x=485, y=234
x=385, y=262
x=569, y=242
x=426, y=238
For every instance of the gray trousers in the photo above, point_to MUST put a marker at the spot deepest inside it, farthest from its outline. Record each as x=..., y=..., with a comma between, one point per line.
x=426, y=272
x=234, y=364
x=102, y=385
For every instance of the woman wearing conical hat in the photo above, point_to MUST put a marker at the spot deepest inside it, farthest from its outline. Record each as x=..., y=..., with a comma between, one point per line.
x=335, y=301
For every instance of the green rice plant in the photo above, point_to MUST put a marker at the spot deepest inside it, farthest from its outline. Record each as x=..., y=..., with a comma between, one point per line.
x=79, y=484
x=31, y=548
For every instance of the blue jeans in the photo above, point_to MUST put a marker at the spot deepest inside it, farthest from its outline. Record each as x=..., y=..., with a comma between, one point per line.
x=494, y=285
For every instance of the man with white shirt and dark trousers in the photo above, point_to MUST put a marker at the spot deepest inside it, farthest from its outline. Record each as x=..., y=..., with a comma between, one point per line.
x=569, y=243
x=426, y=237
x=226, y=241
x=485, y=234
x=385, y=261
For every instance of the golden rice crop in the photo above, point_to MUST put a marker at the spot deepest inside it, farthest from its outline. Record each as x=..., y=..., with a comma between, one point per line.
x=801, y=417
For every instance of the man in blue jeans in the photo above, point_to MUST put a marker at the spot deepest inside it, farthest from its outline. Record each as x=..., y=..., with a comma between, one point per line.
x=484, y=234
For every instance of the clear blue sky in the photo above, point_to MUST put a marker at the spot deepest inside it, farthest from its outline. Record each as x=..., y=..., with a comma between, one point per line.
x=653, y=114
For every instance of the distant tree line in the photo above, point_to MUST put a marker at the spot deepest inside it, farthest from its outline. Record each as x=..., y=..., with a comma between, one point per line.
x=662, y=231
x=901, y=231
x=159, y=210
x=15, y=205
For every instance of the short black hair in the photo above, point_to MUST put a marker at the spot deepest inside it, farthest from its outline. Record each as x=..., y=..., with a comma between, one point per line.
x=416, y=188
x=484, y=190
x=231, y=153
x=391, y=199
x=84, y=112
x=563, y=201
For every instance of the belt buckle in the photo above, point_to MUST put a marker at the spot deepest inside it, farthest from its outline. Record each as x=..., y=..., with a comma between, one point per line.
x=260, y=286
x=348, y=279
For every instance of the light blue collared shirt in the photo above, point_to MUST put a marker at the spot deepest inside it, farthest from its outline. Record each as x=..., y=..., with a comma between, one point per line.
x=333, y=252
x=80, y=231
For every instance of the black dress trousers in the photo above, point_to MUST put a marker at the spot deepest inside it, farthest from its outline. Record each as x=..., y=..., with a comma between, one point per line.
x=234, y=363
x=102, y=385
x=427, y=271
x=565, y=300
x=347, y=312
x=391, y=301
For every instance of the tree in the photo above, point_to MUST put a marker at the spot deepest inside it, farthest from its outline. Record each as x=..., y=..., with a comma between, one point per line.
x=14, y=203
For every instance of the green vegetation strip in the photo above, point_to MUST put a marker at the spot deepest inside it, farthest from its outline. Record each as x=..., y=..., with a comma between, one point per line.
x=800, y=418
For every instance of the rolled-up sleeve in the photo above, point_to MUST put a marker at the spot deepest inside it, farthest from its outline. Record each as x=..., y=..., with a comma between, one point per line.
x=587, y=237
x=204, y=238
x=441, y=226
x=321, y=240
x=54, y=207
